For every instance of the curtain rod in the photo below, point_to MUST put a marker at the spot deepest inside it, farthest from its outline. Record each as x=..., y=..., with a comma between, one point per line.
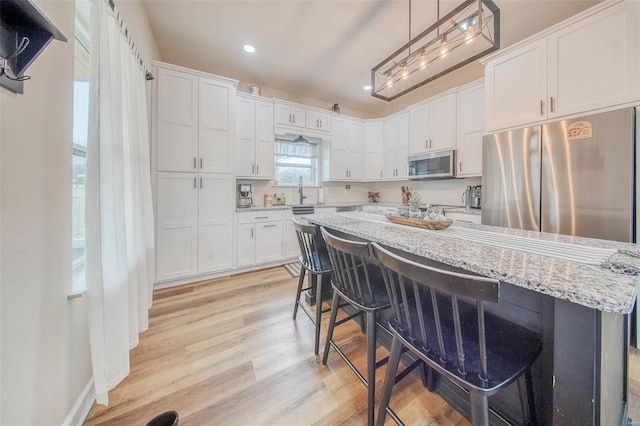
x=132, y=45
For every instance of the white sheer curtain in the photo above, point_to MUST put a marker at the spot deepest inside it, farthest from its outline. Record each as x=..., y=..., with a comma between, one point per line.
x=119, y=215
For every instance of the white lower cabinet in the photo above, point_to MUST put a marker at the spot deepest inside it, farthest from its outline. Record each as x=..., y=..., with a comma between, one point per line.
x=291, y=246
x=193, y=225
x=259, y=238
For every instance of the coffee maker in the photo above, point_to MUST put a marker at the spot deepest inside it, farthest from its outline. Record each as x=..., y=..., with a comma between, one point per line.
x=245, y=197
x=472, y=197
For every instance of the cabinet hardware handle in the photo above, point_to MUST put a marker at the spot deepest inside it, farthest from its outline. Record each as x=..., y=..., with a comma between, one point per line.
x=194, y=183
x=253, y=169
x=320, y=122
x=251, y=232
x=270, y=226
x=426, y=144
x=317, y=122
x=194, y=163
x=380, y=173
x=430, y=144
x=553, y=104
x=200, y=182
x=290, y=118
x=346, y=173
x=461, y=166
x=262, y=217
x=541, y=107
x=200, y=162
x=257, y=169
x=294, y=118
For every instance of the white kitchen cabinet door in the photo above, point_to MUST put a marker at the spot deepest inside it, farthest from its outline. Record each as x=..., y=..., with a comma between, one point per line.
x=291, y=246
x=374, y=157
x=594, y=63
x=419, y=129
x=356, y=151
x=245, y=137
x=177, y=226
x=245, y=245
x=269, y=242
x=289, y=115
x=442, y=123
x=216, y=135
x=402, y=147
x=470, y=130
x=390, y=138
x=339, y=150
x=264, y=140
x=318, y=121
x=516, y=87
x=177, y=121
x=215, y=222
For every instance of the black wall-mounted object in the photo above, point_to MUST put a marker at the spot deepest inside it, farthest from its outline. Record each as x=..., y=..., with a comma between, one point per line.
x=20, y=19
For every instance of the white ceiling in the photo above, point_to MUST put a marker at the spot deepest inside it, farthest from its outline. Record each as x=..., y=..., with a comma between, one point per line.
x=323, y=49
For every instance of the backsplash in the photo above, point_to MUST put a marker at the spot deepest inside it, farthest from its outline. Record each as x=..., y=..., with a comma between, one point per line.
x=446, y=191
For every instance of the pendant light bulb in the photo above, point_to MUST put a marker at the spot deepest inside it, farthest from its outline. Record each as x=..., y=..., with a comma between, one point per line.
x=444, y=48
x=423, y=61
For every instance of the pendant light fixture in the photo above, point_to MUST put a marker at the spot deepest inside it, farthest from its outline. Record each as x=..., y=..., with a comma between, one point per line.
x=300, y=139
x=467, y=33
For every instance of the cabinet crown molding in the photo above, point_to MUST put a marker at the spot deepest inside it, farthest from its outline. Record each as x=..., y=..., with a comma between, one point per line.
x=220, y=78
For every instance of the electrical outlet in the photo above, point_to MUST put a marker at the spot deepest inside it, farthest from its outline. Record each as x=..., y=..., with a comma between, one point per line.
x=347, y=186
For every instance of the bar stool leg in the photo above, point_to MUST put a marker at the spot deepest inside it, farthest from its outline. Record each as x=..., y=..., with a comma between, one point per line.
x=371, y=366
x=318, y=310
x=389, y=378
x=479, y=408
x=303, y=271
x=531, y=407
x=335, y=301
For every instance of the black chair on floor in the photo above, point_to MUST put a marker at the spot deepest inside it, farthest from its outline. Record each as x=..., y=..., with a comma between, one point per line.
x=439, y=316
x=357, y=280
x=313, y=258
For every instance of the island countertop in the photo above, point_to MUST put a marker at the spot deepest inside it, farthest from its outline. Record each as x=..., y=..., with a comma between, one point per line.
x=589, y=285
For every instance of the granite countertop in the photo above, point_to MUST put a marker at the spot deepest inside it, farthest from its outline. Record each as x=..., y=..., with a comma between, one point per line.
x=288, y=206
x=588, y=285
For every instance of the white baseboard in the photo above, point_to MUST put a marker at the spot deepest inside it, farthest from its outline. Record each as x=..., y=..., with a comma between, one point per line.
x=81, y=408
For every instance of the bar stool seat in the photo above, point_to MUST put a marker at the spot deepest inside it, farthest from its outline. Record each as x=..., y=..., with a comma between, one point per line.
x=314, y=259
x=439, y=316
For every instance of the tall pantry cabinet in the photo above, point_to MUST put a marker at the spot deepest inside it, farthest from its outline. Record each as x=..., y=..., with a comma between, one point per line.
x=193, y=134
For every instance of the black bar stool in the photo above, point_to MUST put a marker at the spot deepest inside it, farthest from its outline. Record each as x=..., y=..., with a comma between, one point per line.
x=313, y=258
x=480, y=352
x=358, y=281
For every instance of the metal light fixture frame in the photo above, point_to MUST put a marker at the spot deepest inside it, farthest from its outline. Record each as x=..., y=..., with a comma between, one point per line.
x=448, y=19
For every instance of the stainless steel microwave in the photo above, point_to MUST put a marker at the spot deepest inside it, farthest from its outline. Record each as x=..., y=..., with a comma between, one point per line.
x=432, y=165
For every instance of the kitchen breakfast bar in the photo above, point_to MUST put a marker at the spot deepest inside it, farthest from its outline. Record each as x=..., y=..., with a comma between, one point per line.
x=576, y=293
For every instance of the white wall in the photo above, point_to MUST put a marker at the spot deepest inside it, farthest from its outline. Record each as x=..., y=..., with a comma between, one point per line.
x=45, y=352
x=45, y=358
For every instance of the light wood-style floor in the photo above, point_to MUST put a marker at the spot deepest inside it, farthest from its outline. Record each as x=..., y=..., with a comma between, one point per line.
x=227, y=352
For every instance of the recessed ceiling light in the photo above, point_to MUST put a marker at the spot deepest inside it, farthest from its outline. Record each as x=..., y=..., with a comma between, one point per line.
x=367, y=87
x=249, y=48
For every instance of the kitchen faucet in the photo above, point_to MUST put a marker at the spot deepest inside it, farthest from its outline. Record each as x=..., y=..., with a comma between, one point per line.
x=302, y=197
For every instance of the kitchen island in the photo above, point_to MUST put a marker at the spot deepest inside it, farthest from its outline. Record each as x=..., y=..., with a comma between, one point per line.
x=552, y=284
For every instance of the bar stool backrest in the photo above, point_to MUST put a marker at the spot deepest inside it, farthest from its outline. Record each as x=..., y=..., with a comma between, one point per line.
x=412, y=287
x=312, y=247
x=349, y=260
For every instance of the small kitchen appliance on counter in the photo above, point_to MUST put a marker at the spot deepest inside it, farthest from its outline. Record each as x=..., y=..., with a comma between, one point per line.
x=245, y=196
x=472, y=197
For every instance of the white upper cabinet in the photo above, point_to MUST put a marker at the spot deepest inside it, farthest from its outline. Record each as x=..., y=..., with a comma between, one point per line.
x=586, y=63
x=318, y=121
x=396, y=146
x=343, y=157
x=433, y=125
x=374, y=152
x=594, y=62
x=470, y=107
x=516, y=87
x=177, y=121
x=255, y=138
x=289, y=115
x=195, y=123
x=217, y=117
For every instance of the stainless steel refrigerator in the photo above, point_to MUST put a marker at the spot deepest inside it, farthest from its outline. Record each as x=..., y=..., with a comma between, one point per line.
x=572, y=177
